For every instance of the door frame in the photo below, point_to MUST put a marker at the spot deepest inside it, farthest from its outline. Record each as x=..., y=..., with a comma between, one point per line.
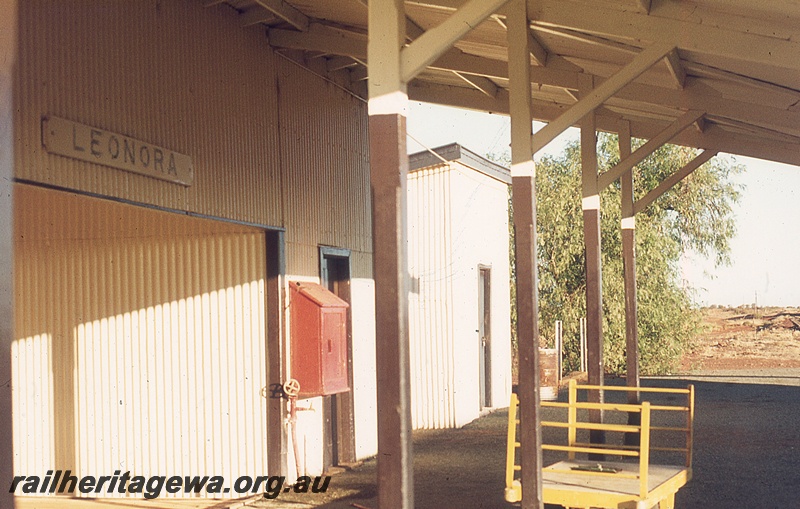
x=338, y=409
x=485, y=348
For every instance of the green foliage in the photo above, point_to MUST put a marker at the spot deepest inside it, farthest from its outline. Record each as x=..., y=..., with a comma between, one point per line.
x=696, y=214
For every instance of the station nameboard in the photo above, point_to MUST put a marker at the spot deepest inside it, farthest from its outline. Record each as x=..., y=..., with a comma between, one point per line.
x=79, y=141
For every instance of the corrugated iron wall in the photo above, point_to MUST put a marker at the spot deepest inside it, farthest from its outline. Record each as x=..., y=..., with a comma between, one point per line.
x=173, y=74
x=271, y=143
x=141, y=340
x=430, y=310
x=326, y=160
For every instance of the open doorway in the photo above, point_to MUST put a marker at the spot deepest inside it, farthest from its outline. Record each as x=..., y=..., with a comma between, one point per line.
x=339, y=428
x=485, y=334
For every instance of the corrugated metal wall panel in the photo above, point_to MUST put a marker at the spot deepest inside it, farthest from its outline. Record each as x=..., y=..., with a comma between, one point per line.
x=271, y=143
x=145, y=331
x=430, y=310
x=324, y=150
x=174, y=74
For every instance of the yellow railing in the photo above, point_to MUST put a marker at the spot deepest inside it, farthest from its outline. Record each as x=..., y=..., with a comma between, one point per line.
x=643, y=428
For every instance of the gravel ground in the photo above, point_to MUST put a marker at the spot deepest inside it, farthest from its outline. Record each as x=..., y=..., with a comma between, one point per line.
x=747, y=440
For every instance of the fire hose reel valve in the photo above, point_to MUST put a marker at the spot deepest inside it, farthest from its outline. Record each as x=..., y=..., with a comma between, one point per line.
x=291, y=388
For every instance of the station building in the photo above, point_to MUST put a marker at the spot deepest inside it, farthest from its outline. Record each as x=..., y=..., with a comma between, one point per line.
x=173, y=174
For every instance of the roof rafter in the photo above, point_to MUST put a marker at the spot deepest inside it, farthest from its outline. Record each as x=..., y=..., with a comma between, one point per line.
x=286, y=12
x=688, y=118
x=695, y=95
x=538, y=52
x=669, y=182
x=644, y=5
x=436, y=41
x=707, y=39
x=712, y=138
x=601, y=93
x=255, y=16
x=590, y=39
x=336, y=63
x=321, y=38
x=676, y=69
x=485, y=85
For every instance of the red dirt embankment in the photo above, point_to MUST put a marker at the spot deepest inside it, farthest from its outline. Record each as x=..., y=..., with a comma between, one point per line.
x=746, y=338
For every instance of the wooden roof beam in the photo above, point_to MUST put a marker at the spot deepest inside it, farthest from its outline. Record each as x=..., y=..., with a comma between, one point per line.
x=321, y=38
x=458, y=97
x=684, y=121
x=538, y=52
x=695, y=95
x=593, y=40
x=712, y=138
x=485, y=85
x=480, y=83
x=707, y=71
x=337, y=63
x=676, y=69
x=255, y=16
x=706, y=38
x=287, y=13
x=436, y=41
x=360, y=73
x=668, y=183
x=601, y=93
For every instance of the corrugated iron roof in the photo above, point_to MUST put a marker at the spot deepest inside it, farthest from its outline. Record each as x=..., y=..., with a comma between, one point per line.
x=455, y=152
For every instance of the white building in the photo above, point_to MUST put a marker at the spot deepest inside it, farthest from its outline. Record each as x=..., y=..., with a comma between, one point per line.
x=459, y=310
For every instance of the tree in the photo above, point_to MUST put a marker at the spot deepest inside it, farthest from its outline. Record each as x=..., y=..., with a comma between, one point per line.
x=696, y=214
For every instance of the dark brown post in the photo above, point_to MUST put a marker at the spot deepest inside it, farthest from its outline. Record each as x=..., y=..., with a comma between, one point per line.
x=389, y=166
x=388, y=103
x=629, y=267
x=277, y=441
x=8, y=52
x=629, y=274
x=594, y=278
x=523, y=173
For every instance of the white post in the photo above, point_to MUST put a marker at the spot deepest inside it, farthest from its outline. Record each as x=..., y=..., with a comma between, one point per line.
x=583, y=344
x=560, y=347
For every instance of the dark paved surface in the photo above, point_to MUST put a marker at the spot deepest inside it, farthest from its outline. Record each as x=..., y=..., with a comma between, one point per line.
x=747, y=440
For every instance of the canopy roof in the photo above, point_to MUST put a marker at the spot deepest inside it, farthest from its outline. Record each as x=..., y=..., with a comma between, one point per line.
x=737, y=61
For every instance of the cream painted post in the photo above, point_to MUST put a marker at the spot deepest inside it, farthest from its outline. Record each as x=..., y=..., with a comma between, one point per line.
x=8, y=50
x=389, y=167
x=523, y=173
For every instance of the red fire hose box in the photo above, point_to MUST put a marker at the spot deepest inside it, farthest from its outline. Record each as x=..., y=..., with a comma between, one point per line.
x=319, y=340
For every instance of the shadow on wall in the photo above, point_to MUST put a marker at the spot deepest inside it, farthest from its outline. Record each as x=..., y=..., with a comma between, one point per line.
x=129, y=323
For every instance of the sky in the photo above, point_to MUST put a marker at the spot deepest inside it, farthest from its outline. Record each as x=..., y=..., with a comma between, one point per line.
x=765, y=254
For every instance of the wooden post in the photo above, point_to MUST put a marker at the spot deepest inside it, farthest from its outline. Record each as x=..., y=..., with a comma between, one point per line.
x=524, y=202
x=629, y=267
x=8, y=52
x=388, y=168
x=629, y=275
x=591, y=239
x=277, y=439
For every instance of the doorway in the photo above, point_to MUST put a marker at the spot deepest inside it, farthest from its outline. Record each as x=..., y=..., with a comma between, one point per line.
x=485, y=335
x=339, y=429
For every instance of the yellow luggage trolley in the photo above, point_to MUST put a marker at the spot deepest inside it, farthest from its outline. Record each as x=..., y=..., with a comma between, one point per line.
x=631, y=484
